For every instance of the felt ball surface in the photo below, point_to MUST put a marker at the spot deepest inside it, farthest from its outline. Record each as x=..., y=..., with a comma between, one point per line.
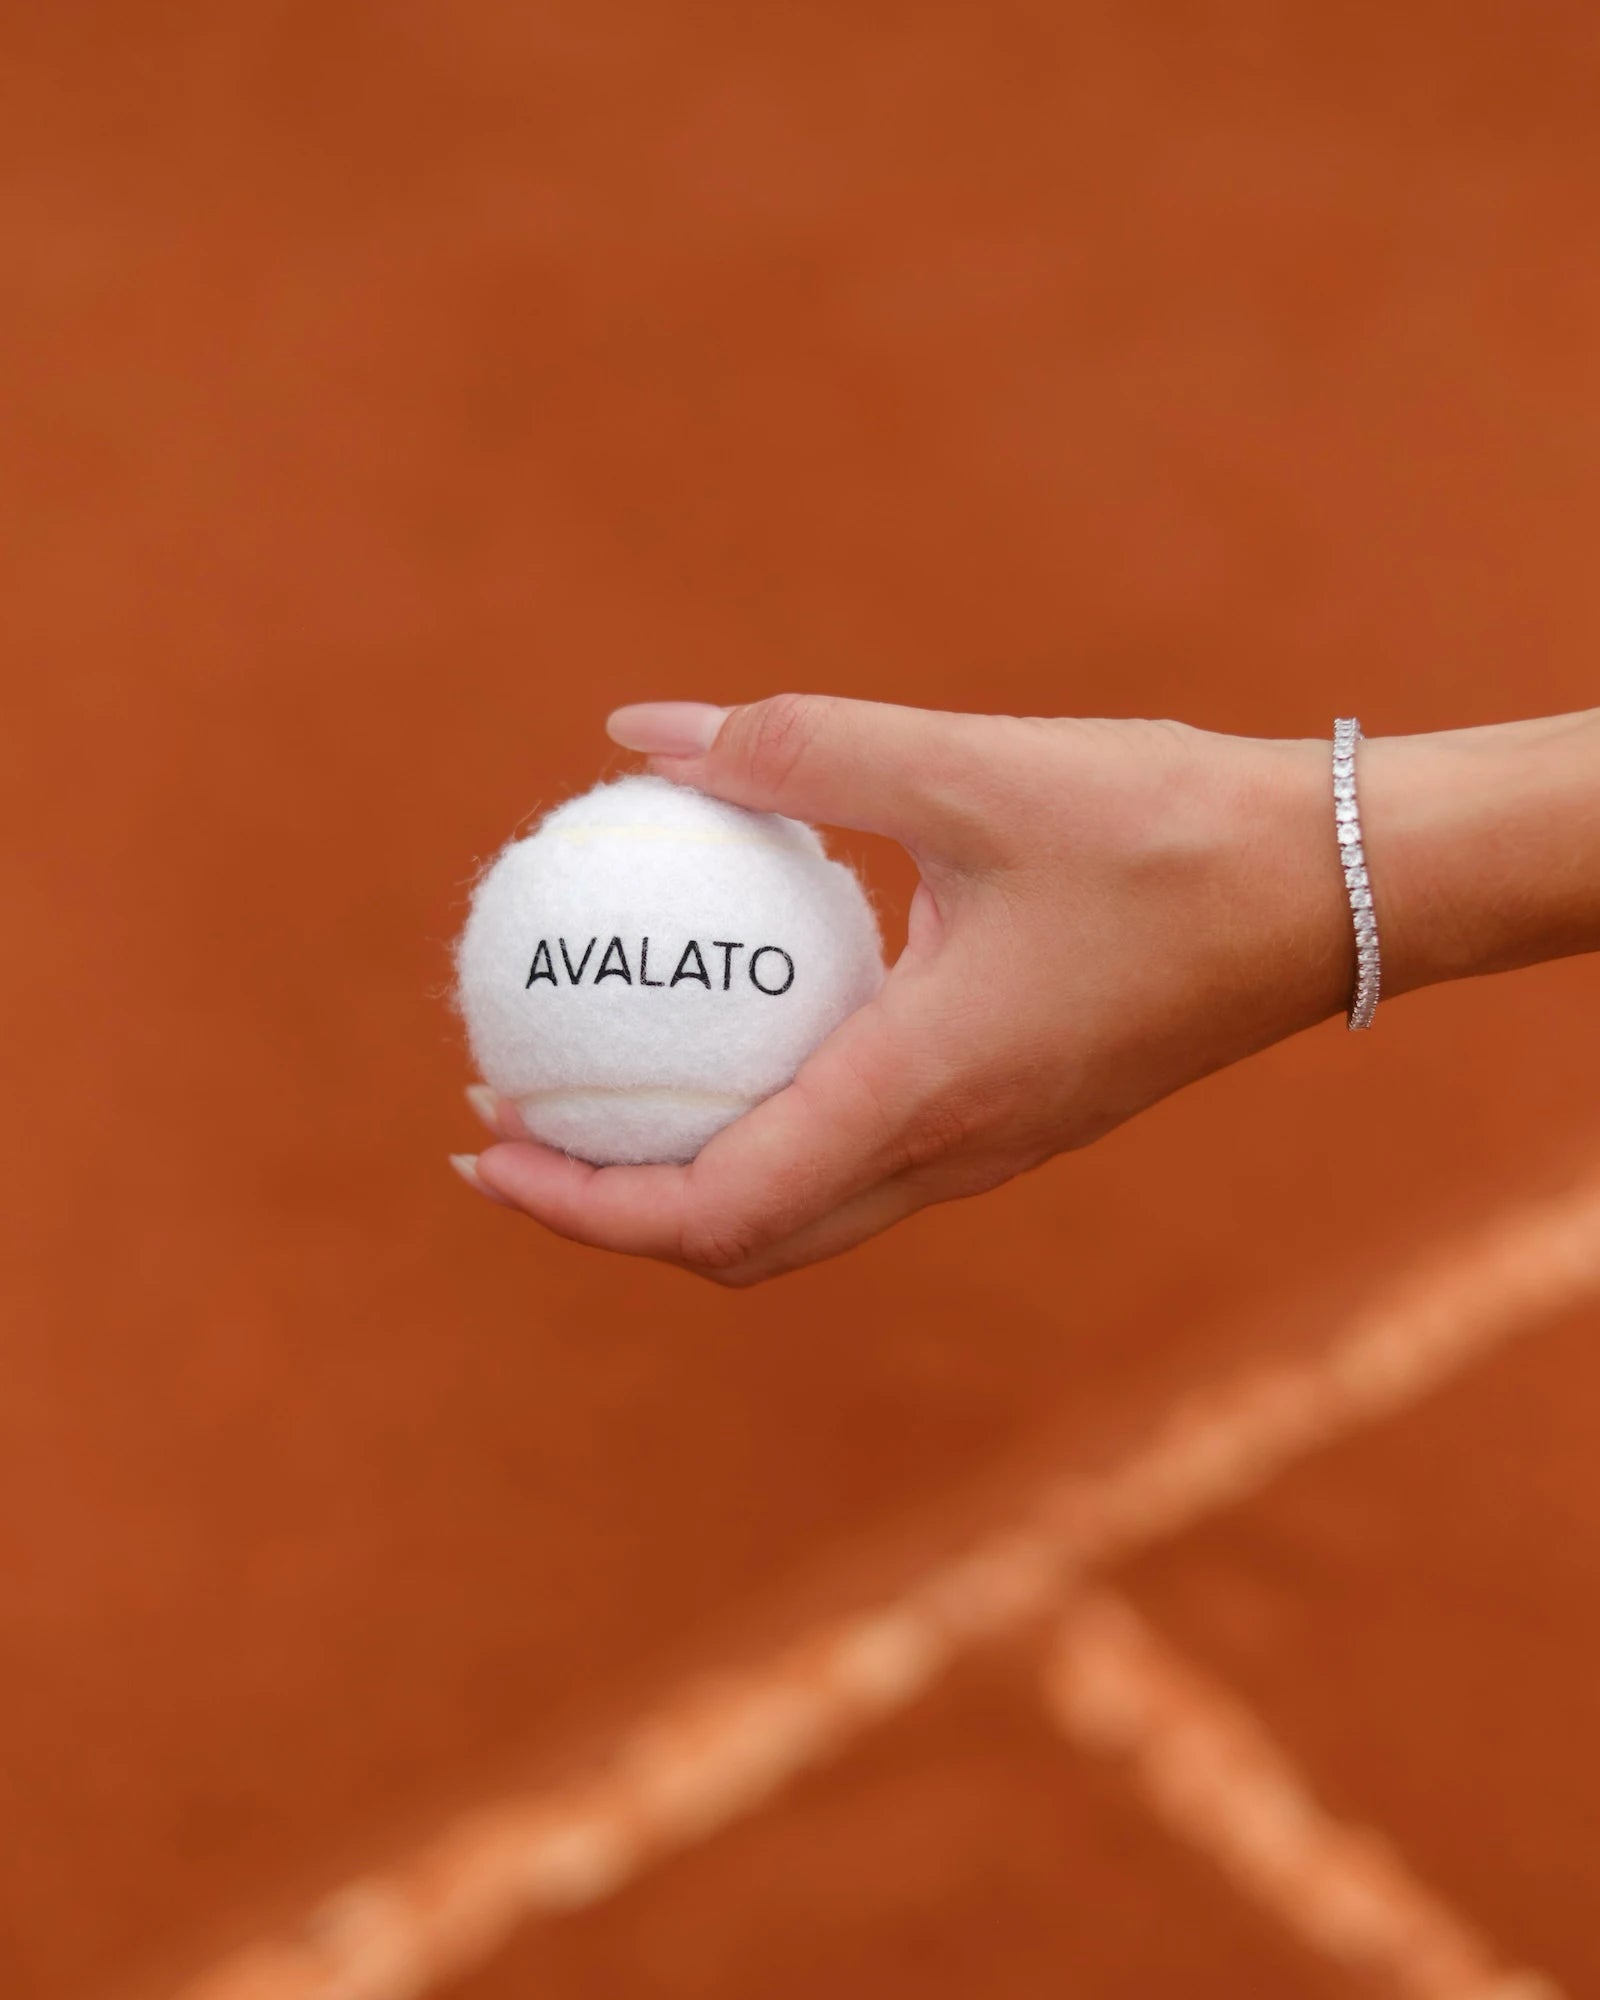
x=649, y=963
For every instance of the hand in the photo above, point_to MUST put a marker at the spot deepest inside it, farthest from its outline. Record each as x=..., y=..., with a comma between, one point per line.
x=1107, y=911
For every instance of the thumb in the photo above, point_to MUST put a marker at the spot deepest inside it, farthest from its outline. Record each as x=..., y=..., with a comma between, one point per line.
x=904, y=772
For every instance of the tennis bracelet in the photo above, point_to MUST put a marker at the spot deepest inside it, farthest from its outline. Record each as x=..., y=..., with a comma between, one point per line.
x=1358, y=887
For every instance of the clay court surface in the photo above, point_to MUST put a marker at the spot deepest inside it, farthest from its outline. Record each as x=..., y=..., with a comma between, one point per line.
x=1174, y=1575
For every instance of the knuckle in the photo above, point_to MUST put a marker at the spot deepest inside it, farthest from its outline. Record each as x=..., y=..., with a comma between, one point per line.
x=940, y=1125
x=961, y=1097
x=716, y=1251
x=775, y=736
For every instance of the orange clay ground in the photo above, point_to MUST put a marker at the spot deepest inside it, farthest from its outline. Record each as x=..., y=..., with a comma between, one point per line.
x=1172, y=1575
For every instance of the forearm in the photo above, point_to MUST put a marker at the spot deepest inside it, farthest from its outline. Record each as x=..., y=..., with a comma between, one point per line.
x=1484, y=846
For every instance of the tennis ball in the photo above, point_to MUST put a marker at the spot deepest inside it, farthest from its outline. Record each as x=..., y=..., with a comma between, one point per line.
x=649, y=963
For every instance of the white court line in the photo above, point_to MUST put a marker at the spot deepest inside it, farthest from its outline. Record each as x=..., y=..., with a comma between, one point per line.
x=1211, y=1774
x=720, y=1750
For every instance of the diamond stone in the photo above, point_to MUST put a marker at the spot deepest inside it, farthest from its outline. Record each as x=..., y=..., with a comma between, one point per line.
x=1366, y=921
x=1355, y=878
x=1362, y=898
x=1349, y=833
x=1344, y=788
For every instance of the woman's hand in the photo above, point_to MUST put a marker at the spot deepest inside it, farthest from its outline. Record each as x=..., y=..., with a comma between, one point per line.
x=1107, y=911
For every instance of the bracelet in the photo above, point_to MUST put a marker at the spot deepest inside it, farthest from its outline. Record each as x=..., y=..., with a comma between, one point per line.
x=1347, y=824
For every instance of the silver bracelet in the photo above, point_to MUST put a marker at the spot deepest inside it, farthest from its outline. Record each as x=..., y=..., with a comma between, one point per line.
x=1347, y=823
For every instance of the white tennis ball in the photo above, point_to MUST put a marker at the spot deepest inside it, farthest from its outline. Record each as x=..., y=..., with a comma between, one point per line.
x=649, y=963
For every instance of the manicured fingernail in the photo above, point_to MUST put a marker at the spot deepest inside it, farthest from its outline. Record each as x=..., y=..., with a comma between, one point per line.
x=466, y=1165
x=666, y=728
x=484, y=1102
x=498, y=1114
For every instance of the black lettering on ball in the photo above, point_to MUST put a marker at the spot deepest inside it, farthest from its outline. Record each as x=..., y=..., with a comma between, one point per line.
x=777, y=951
x=617, y=971
x=692, y=966
x=566, y=959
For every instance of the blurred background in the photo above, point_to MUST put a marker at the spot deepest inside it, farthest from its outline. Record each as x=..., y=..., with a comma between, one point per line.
x=395, y=1601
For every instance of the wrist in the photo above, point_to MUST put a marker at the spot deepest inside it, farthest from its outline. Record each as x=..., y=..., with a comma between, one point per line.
x=1302, y=880
x=1484, y=847
x=1290, y=943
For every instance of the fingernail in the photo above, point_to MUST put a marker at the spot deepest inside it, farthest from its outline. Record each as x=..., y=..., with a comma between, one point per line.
x=482, y=1099
x=466, y=1165
x=666, y=728
x=498, y=1114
